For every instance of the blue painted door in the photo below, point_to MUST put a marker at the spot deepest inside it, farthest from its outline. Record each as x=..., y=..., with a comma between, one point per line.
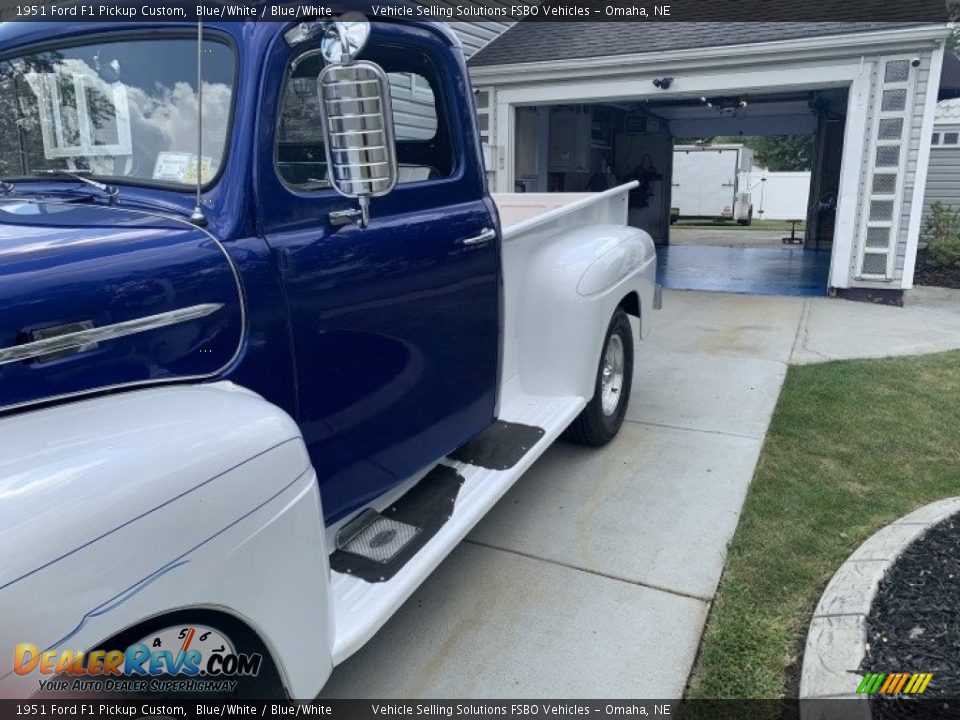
x=394, y=327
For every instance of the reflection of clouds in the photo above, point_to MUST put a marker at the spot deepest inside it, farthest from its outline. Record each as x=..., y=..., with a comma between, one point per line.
x=166, y=120
x=162, y=118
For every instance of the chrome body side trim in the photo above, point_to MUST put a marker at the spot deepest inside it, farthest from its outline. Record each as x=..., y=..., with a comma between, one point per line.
x=88, y=338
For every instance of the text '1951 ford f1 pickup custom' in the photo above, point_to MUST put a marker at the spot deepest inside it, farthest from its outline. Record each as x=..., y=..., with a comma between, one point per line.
x=268, y=347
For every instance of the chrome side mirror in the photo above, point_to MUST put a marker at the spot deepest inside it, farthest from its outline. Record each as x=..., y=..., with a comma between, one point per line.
x=357, y=118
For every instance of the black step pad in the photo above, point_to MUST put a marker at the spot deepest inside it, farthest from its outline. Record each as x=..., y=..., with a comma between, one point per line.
x=500, y=446
x=427, y=505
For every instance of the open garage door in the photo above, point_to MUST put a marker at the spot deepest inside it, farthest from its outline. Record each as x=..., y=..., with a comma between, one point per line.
x=722, y=219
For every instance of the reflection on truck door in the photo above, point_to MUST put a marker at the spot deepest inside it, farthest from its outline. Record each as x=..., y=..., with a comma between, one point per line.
x=395, y=327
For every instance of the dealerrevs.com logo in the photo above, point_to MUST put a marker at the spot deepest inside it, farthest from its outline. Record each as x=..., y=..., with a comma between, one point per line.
x=194, y=658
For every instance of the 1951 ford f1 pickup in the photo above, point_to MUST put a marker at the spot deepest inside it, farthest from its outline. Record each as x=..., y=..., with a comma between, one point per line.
x=268, y=348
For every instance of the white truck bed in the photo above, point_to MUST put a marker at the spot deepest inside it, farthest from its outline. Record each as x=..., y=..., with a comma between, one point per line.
x=520, y=212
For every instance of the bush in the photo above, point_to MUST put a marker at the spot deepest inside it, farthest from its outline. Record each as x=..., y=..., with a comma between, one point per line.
x=941, y=235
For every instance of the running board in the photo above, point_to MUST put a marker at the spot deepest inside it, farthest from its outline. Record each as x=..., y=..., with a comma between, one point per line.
x=500, y=446
x=376, y=546
x=361, y=607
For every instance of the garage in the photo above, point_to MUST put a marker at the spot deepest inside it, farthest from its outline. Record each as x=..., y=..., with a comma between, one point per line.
x=581, y=106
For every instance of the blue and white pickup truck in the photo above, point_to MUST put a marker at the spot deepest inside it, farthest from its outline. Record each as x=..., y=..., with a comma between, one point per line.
x=268, y=347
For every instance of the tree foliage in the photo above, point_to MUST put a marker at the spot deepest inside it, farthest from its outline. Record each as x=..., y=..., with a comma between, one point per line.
x=778, y=153
x=953, y=39
x=941, y=236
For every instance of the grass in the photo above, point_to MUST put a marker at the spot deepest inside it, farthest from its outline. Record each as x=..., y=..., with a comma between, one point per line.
x=852, y=446
x=762, y=225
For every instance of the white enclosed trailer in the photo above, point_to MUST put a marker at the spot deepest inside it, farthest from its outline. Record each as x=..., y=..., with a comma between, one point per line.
x=712, y=182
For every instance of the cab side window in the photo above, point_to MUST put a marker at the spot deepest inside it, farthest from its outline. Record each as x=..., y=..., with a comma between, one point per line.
x=301, y=156
x=422, y=137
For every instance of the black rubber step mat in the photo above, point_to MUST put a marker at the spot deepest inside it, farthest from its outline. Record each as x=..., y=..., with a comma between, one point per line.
x=500, y=446
x=427, y=506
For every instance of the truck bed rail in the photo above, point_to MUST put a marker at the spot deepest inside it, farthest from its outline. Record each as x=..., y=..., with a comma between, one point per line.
x=607, y=207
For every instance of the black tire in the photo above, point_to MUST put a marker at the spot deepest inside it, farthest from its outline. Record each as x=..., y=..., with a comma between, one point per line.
x=749, y=220
x=594, y=426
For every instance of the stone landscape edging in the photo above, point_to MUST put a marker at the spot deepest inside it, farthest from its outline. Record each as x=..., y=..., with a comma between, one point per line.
x=837, y=638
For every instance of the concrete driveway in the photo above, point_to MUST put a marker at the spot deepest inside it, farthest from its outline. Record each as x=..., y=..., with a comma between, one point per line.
x=594, y=575
x=728, y=236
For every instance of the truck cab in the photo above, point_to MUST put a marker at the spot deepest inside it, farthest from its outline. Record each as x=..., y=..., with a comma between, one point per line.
x=258, y=293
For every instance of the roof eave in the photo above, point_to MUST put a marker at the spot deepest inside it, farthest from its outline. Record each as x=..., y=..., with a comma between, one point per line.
x=850, y=44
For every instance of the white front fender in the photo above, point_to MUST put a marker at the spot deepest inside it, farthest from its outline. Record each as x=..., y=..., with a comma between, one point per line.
x=121, y=508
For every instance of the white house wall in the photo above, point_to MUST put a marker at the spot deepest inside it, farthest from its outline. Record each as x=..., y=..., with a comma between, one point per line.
x=911, y=176
x=906, y=227
x=840, y=62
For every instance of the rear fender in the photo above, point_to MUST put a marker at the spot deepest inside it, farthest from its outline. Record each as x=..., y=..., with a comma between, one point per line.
x=122, y=508
x=563, y=291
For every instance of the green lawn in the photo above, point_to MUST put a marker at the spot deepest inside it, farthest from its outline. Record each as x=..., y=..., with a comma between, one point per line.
x=768, y=225
x=852, y=446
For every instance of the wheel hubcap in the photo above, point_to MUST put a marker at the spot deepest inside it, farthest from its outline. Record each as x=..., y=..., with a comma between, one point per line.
x=611, y=382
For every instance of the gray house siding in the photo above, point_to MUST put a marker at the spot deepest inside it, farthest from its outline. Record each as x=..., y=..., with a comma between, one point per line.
x=943, y=176
x=476, y=35
x=909, y=154
x=413, y=104
x=943, y=173
x=414, y=116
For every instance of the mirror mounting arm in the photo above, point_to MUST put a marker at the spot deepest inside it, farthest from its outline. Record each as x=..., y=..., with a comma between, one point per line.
x=357, y=122
x=354, y=216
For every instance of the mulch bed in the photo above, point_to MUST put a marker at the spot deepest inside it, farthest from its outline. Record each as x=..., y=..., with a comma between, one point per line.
x=925, y=274
x=914, y=624
x=938, y=277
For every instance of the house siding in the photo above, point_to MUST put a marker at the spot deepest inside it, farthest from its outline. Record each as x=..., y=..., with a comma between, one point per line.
x=910, y=151
x=412, y=107
x=913, y=153
x=943, y=175
x=476, y=35
x=414, y=116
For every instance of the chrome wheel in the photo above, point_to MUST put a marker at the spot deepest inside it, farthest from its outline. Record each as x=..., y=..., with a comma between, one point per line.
x=611, y=383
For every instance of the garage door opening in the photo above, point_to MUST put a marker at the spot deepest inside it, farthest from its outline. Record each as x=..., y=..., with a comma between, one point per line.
x=739, y=209
x=718, y=214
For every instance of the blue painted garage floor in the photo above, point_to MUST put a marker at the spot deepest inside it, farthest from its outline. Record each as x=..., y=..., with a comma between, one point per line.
x=760, y=271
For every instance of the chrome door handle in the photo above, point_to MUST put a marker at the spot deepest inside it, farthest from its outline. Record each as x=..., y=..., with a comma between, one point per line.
x=484, y=237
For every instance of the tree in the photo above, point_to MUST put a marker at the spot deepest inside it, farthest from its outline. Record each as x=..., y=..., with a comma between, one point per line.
x=778, y=153
x=953, y=39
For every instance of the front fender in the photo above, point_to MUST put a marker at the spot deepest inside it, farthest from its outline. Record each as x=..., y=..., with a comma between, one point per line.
x=121, y=508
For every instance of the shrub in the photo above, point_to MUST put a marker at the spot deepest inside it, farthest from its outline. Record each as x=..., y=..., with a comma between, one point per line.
x=941, y=235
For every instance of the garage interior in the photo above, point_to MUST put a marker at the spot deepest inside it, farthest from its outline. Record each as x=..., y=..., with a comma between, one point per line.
x=594, y=146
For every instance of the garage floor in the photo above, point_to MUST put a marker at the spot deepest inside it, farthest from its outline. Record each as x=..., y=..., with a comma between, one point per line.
x=727, y=236
x=758, y=270
x=593, y=576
